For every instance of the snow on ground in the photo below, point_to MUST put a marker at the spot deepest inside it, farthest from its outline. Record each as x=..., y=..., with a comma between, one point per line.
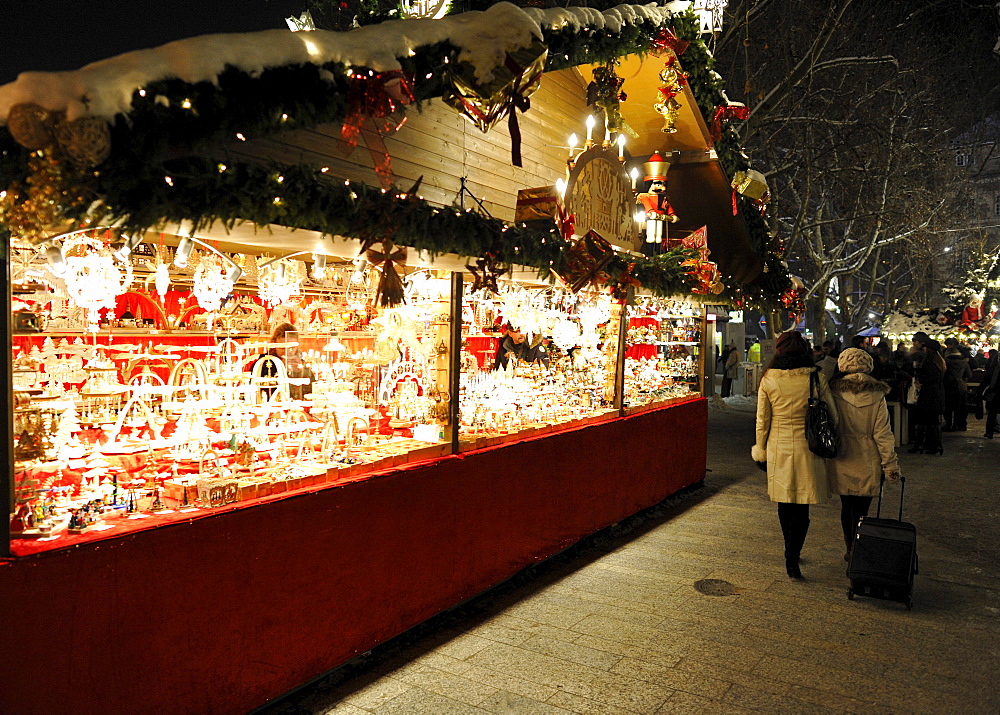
x=736, y=403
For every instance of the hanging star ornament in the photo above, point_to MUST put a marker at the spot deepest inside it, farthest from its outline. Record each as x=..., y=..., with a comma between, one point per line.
x=485, y=273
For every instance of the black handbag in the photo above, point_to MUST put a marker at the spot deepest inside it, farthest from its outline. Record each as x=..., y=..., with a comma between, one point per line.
x=820, y=432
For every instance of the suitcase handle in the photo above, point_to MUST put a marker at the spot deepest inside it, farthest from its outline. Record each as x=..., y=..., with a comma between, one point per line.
x=902, y=488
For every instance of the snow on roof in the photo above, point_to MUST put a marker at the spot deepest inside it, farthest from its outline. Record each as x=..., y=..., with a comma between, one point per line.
x=105, y=88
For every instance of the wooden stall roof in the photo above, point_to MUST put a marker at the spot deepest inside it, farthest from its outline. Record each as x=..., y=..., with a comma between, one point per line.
x=698, y=187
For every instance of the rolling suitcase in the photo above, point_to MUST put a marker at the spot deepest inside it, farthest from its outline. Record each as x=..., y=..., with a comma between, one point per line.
x=884, y=557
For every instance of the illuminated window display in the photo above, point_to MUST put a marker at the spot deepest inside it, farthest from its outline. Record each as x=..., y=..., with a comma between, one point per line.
x=216, y=385
x=536, y=359
x=663, y=351
x=197, y=378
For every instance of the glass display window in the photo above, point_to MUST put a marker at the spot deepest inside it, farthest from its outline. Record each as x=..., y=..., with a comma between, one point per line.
x=663, y=351
x=535, y=359
x=204, y=378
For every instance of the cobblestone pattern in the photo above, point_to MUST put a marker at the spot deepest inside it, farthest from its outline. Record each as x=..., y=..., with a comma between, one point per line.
x=617, y=626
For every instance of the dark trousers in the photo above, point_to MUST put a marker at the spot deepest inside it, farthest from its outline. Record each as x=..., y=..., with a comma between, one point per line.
x=794, y=520
x=852, y=508
x=727, y=386
x=991, y=419
x=955, y=410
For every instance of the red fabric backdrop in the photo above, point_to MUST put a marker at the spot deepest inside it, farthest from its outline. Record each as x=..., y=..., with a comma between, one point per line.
x=221, y=614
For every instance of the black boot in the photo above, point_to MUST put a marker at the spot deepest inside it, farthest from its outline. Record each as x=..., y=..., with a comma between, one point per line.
x=794, y=519
x=919, y=435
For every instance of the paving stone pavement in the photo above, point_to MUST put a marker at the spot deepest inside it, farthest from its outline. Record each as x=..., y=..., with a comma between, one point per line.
x=616, y=625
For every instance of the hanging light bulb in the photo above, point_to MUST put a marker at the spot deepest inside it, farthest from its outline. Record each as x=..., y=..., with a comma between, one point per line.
x=318, y=272
x=183, y=253
x=56, y=260
x=131, y=242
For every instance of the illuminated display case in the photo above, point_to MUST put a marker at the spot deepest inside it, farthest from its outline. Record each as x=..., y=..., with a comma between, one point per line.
x=158, y=380
x=135, y=405
x=664, y=351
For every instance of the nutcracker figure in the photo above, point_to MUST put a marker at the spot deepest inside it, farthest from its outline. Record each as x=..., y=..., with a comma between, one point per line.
x=656, y=205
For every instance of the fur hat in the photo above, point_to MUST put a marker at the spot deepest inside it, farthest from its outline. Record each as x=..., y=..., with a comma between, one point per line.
x=855, y=360
x=791, y=343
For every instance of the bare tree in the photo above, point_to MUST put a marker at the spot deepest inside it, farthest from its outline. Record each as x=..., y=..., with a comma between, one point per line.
x=850, y=106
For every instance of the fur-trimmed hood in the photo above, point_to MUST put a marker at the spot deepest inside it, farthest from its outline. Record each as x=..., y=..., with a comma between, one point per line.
x=859, y=389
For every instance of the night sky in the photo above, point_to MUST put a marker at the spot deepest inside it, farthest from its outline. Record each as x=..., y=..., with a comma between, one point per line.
x=67, y=34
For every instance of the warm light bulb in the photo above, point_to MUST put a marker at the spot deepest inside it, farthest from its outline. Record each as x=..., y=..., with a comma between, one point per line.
x=635, y=176
x=561, y=186
x=590, y=127
x=621, y=146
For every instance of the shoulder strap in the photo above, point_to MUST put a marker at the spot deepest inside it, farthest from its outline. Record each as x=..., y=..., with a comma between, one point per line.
x=813, y=384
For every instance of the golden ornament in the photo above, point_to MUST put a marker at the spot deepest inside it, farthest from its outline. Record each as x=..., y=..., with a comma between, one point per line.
x=31, y=126
x=86, y=141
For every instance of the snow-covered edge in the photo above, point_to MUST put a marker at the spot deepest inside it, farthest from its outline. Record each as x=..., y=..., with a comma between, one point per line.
x=105, y=88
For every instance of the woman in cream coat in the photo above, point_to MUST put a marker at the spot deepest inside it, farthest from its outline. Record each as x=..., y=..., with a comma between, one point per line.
x=866, y=440
x=796, y=477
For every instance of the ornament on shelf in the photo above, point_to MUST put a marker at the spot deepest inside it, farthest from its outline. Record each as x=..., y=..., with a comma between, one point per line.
x=485, y=273
x=605, y=91
x=486, y=97
x=375, y=106
x=673, y=79
x=584, y=260
x=390, y=285
x=726, y=112
x=211, y=285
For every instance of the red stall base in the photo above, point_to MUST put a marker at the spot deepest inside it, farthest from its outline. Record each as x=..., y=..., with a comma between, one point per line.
x=224, y=612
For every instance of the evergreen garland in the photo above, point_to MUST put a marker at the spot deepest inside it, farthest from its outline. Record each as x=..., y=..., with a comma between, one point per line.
x=173, y=124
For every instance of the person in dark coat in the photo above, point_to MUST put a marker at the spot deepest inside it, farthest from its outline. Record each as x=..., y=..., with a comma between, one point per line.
x=956, y=387
x=930, y=402
x=989, y=390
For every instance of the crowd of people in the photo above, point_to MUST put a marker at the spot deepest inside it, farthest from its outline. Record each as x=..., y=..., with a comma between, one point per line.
x=939, y=384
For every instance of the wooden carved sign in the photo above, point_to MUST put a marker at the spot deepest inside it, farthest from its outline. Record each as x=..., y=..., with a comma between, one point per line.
x=599, y=195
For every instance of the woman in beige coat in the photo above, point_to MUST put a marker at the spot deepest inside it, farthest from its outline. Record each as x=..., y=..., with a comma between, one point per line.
x=796, y=477
x=866, y=440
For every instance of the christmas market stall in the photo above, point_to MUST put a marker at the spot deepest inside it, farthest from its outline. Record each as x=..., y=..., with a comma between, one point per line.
x=314, y=335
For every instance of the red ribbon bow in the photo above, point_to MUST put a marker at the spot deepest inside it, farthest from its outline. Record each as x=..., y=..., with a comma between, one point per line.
x=665, y=39
x=374, y=108
x=726, y=112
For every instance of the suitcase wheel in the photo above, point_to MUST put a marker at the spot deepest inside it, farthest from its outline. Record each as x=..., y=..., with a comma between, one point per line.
x=850, y=594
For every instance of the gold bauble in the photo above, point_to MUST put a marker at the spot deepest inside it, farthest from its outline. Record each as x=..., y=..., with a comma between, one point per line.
x=86, y=141
x=31, y=126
